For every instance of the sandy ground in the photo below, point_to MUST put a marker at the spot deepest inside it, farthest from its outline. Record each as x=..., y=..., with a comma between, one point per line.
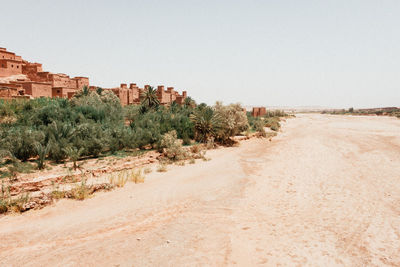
x=325, y=192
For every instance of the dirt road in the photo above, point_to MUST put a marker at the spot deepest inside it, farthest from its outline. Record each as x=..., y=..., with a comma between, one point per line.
x=325, y=192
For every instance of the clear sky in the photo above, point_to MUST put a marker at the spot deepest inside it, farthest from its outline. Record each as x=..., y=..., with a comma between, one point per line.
x=337, y=53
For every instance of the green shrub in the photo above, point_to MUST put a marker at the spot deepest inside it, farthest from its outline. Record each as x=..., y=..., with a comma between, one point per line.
x=20, y=141
x=273, y=123
x=259, y=127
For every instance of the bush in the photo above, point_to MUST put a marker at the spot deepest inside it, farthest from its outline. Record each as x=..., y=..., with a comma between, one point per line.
x=197, y=152
x=273, y=123
x=131, y=113
x=20, y=141
x=172, y=147
x=259, y=127
x=232, y=121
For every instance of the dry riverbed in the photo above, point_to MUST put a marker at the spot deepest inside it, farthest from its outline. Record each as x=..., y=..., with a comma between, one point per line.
x=325, y=191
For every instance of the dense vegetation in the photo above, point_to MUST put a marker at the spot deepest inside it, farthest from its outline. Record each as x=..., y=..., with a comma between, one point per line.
x=93, y=123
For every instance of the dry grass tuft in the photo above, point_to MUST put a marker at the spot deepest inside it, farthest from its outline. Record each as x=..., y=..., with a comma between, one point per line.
x=196, y=149
x=57, y=194
x=136, y=176
x=162, y=168
x=119, y=179
x=147, y=170
x=8, y=204
x=81, y=191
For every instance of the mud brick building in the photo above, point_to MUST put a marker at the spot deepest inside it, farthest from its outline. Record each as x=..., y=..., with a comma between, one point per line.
x=168, y=96
x=10, y=91
x=259, y=111
x=10, y=64
x=131, y=95
x=28, y=79
x=22, y=79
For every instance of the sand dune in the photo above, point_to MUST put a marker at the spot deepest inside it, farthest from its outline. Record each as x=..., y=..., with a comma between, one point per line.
x=325, y=192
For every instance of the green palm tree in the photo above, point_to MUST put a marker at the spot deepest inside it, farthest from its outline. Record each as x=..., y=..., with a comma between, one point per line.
x=174, y=107
x=42, y=152
x=59, y=135
x=149, y=98
x=205, y=124
x=85, y=90
x=189, y=102
x=99, y=90
x=73, y=154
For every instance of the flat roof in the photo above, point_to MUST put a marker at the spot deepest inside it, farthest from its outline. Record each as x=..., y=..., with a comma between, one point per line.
x=12, y=60
x=10, y=85
x=8, y=52
x=6, y=83
x=48, y=83
x=33, y=64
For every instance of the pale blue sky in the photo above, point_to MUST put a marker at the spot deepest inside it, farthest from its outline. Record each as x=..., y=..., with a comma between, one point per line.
x=280, y=53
